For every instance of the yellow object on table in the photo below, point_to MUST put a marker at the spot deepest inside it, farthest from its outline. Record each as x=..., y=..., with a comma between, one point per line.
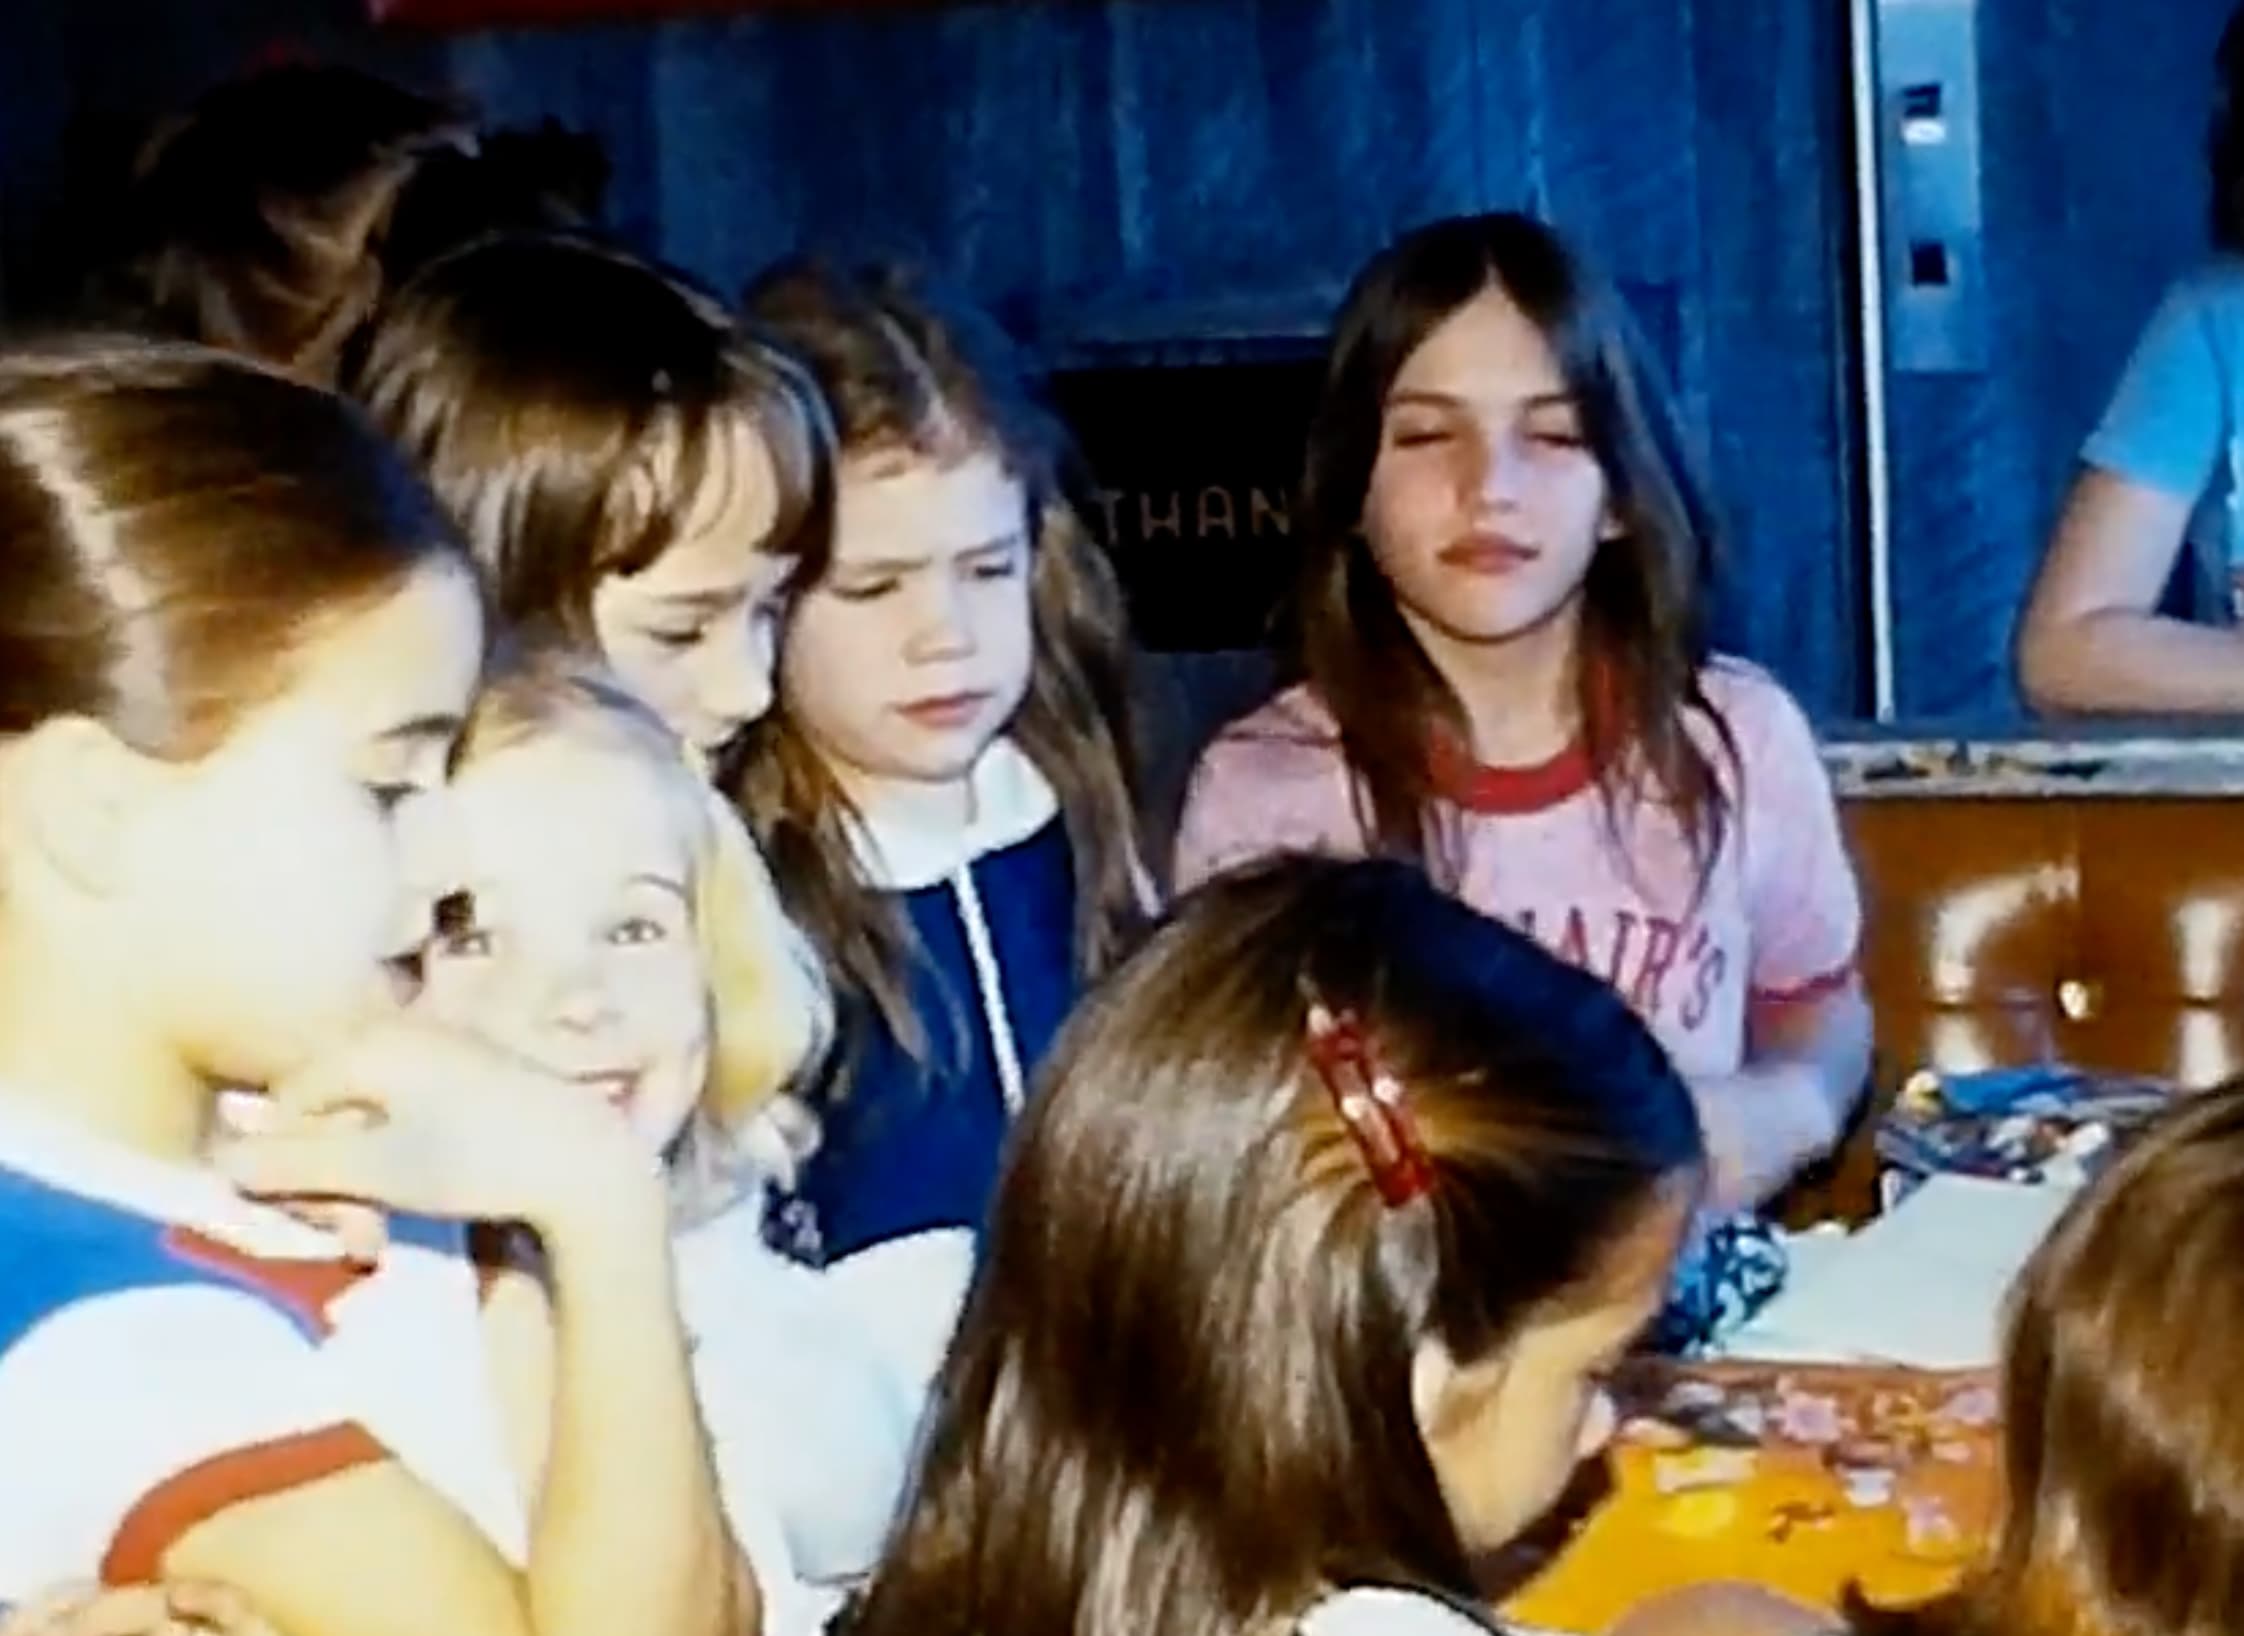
x=1807, y=1480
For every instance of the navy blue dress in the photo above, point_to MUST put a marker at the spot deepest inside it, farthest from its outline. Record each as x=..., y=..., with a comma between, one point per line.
x=909, y=1147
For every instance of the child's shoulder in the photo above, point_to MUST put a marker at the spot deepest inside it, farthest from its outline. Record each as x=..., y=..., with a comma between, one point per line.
x=1297, y=717
x=1762, y=716
x=1745, y=691
x=1289, y=739
x=1383, y=1611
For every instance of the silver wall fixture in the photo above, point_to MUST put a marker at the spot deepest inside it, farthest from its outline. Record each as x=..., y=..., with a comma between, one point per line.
x=1933, y=252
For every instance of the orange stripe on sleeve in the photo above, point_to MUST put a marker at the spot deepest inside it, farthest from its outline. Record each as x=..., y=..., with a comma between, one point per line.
x=173, y=1508
x=1815, y=988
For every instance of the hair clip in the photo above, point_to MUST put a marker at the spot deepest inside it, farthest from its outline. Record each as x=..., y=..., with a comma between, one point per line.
x=1371, y=1104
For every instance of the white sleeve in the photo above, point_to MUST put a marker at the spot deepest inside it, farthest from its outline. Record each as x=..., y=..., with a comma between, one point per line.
x=1382, y=1612
x=908, y=1293
x=810, y=1427
x=130, y=1418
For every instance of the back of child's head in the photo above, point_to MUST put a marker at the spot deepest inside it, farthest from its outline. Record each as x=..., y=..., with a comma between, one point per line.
x=1644, y=598
x=544, y=178
x=1182, y=1397
x=179, y=524
x=2122, y=1425
x=768, y=1006
x=580, y=410
x=914, y=375
x=255, y=220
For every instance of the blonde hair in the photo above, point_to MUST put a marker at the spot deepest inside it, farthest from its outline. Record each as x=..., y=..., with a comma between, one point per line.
x=770, y=1009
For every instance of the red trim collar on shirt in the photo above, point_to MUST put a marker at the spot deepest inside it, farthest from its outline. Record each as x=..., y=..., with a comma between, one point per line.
x=1477, y=787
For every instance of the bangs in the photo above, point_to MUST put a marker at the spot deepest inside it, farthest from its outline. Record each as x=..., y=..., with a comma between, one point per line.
x=697, y=463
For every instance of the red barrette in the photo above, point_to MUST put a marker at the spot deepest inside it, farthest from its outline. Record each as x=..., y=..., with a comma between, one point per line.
x=1371, y=1104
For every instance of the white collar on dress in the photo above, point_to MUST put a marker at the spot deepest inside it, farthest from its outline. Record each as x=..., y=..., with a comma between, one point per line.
x=1012, y=801
x=63, y=1155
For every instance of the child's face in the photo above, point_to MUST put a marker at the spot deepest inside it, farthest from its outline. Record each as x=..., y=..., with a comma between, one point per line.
x=266, y=883
x=581, y=955
x=1485, y=506
x=1506, y=1433
x=913, y=652
x=691, y=633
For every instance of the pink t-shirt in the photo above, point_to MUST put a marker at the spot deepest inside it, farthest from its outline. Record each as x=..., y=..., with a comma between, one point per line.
x=1779, y=919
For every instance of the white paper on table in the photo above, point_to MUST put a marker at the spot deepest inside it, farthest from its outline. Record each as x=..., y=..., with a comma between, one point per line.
x=1924, y=1286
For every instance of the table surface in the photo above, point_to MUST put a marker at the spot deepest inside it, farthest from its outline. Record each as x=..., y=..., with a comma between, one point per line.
x=1806, y=1479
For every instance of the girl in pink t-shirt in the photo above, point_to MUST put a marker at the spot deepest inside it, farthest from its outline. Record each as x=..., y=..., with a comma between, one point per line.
x=1507, y=677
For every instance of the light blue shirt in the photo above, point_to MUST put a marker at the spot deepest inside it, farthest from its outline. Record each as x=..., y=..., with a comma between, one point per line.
x=2176, y=423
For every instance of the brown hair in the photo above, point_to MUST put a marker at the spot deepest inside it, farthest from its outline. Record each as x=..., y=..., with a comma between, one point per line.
x=542, y=178
x=178, y=524
x=254, y=222
x=1180, y=1397
x=2123, y=1431
x=907, y=371
x=572, y=403
x=1643, y=611
x=768, y=1006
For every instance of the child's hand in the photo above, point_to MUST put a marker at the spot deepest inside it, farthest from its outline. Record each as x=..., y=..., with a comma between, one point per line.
x=180, y=1608
x=362, y=1229
x=428, y=1120
x=1723, y=1610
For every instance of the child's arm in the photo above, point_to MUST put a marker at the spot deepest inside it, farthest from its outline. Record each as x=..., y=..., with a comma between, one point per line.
x=627, y=1533
x=138, y=1610
x=1808, y=1033
x=370, y=1551
x=1807, y=1060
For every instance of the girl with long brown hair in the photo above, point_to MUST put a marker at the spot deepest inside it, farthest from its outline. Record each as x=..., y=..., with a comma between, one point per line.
x=1336, y=1201
x=943, y=789
x=1506, y=678
x=634, y=474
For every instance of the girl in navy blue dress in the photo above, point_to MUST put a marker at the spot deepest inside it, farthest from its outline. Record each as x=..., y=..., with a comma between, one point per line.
x=942, y=788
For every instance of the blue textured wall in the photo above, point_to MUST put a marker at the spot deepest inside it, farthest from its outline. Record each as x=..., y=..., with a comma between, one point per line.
x=1143, y=172
x=2095, y=116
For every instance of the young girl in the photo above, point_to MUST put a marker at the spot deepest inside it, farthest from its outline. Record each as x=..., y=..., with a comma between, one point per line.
x=238, y=639
x=2160, y=487
x=634, y=474
x=619, y=929
x=942, y=791
x=1507, y=678
x=1337, y=1201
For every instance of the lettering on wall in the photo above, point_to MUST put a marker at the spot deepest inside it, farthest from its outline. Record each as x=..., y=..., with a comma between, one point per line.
x=1194, y=474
